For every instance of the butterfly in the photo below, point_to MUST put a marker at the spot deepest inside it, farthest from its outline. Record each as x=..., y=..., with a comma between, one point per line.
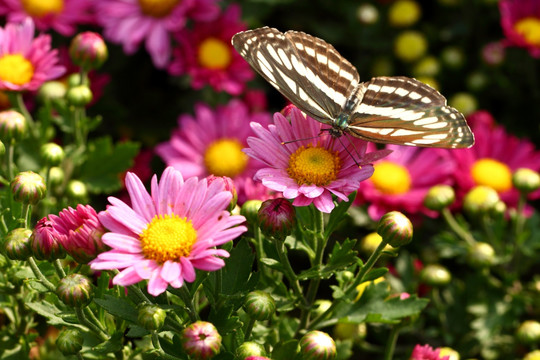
x=324, y=85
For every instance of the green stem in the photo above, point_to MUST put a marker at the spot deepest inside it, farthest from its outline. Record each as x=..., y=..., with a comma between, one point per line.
x=157, y=346
x=288, y=271
x=16, y=99
x=391, y=342
x=9, y=159
x=249, y=328
x=49, y=285
x=186, y=298
x=91, y=326
x=90, y=314
x=520, y=214
x=25, y=214
x=59, y=269
x=453, y=224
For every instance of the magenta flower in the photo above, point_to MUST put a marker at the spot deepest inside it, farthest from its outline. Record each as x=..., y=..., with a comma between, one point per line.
x=132, y=22
x=80, y=231
x=493, y=159
x=207, y=56
x=61, y=15
x=167, y=234
x=402, y=180
x=211, y=143
x=26, y=63
x=520, y=20
x=426, y=352
x=312, y=167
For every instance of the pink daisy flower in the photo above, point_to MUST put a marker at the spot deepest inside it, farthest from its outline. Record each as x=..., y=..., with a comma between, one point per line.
x=426, y=352
x=61, y=15
x=493, y=159
x=207, y=56
x=26, y=63
x=520, y=20
x=131, y=22
x=211, y=143
x=167, y=234
x=402, y=180
x=310, y=167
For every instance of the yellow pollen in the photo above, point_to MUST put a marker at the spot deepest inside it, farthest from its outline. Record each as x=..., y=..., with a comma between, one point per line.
x=157, y=8
x=224, y=157
x=168, y=237
x=529, y=28
x=492, y=173
x=314, y=165
x=16, y=69
x=214, y=54
x=391, y=178
x=40, y=8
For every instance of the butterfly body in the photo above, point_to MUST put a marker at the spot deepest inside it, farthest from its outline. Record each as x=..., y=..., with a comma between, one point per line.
x=324, y=85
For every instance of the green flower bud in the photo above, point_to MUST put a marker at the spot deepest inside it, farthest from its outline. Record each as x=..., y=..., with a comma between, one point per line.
x=88, y=50
x=201, y=340
x=435, y=275
x=52, y=154
x=75, y=290
x=2, y=148
x=320, y=306
x=526, y=180
x=481, y=255
x=52, y=90
x=69, y=341
x=56, y=175
x=77, y=190
x=250, y=348
x=151, y=317
x=464, y=102
x=480, y=200
x=250, y=210
x=16, y=244
x=79, y=95
x=75, y=80
x=395, y=228
x=529, y=332
x=13, y=125
x=477, y=81
x=410, y=45
x=367, y=14
x=259, y=305
x=428, y=66
x=317, y=345
x=352, y=331
x=404, y=13
x=28, y=187
x=453, y=57
x=277, y=218
x=451, y=353
x=439, y=197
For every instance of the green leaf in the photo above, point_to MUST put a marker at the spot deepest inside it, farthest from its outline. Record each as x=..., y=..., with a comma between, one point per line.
x=338, y=215
x=105, y=162
x=112, y=345
x=118, y=307
x=52, y=314
x=272, y=263
x=237, y=271
x=375, y=274
x=286, y=350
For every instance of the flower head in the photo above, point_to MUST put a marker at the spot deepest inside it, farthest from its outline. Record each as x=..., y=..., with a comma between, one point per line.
x=167, y=234
x=426, y=352
x=88, y=50
x=44, y=243
x=520, y=20
x=402, y=180
x=26, y=63
x=306, y=170
x=201, y=340
x=80, y=232
x=211, y=142
x=132, y=22
x=207, y=56
x=63, y=16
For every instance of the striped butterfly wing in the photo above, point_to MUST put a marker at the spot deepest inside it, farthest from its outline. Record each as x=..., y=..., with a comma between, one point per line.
x=305, y=69
x=405, y=111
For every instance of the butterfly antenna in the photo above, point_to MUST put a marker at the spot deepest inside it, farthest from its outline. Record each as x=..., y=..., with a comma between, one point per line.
x=348, y=152
x=295, y=140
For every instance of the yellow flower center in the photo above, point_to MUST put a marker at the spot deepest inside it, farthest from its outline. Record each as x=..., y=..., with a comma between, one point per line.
x=214, y=54
x=157, y=8
x=39, y=8
x=225, y=158
x=15, y=69
x=492, y=173
x=168, y=237
x=529, y=28
x=391, y=178
x=314, y=165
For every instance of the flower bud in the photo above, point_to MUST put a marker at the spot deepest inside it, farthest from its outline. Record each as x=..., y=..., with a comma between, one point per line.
x=317, y=345
x=453, y=57
x=52, y=90
x=370, y=242
x=259, y=305
x=480, y=200
x=69, y=341
x=56, y=175
x=352, y=331
x=250, y=349
x=28, y=187
x=493, y=53
x=395, y=228
x=250, y=210
x=75, y=290
x=229, y=186
x=367, y=14
x=428, y=66
x=404, y=13
x=451, y=353
x=77, y=190
x=201, y=340
x=481, y=255
x=435, y=275
x=533, y=355
x=439, y=197
x=76, y=80
x=410, y=45
x=464, y=102
x=2, y=148
x=320, y=306
x=277, y=218
x=16, y=244
x=526, y=180
x=151, y=317
x=12, y=125
x=44, y=243
x=79, y=95
x=529, y=332
x=52, y=154
x=88, y=50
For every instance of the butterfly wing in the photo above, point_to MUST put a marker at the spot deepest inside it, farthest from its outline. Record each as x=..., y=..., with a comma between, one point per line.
x=305, y=69
x=405, y=111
